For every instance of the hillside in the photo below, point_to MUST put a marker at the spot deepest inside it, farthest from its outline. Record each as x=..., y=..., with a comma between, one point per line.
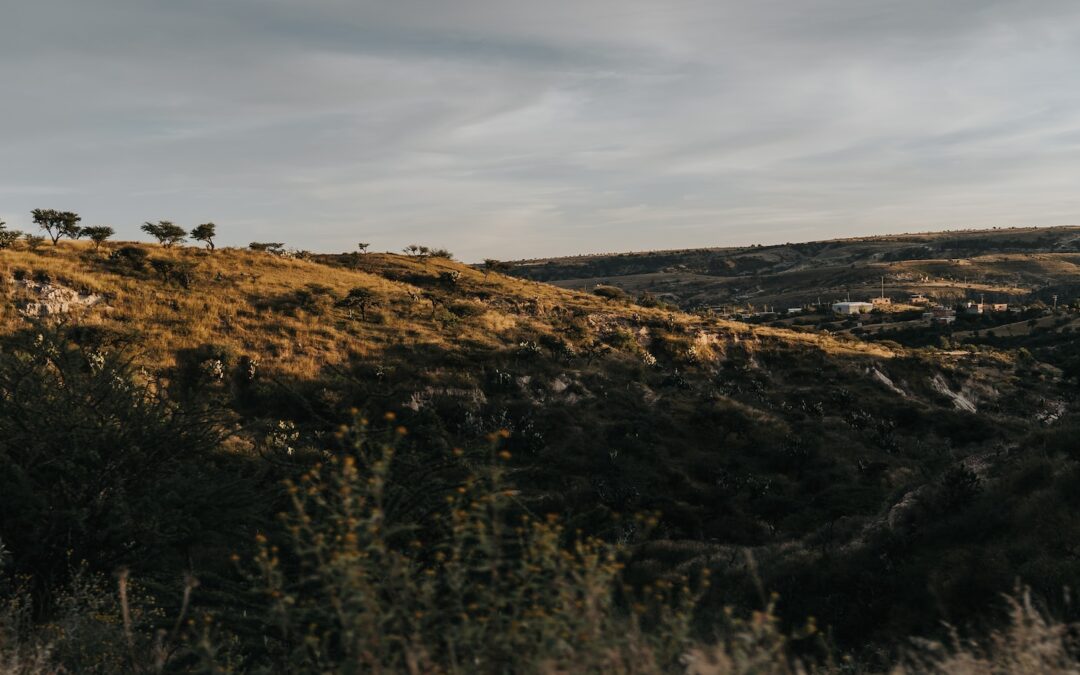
x=868, y=481
x=1003, y=263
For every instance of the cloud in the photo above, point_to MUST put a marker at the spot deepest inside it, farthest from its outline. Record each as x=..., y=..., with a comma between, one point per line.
x=513, y=129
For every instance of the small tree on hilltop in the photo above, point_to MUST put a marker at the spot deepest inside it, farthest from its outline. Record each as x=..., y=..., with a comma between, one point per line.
x=98, y=234
x=363, y=246
x=33, y=241
x=205, y=233
x=57, y=223
x=166, y=232
x=8, y=237
x=275, y=247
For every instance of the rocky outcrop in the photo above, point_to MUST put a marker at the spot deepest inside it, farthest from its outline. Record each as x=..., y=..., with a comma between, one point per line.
x=40, y=299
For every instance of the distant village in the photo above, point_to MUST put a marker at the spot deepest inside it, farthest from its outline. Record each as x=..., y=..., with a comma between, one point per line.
x=886, y=313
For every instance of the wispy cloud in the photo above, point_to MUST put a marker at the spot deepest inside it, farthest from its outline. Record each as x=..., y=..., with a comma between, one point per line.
x=508, y=128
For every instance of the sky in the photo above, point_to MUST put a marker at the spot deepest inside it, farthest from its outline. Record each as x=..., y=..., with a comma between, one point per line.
x=507, y=129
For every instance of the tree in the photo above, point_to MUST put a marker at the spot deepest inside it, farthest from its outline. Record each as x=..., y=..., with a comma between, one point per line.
x=363, y=246
x=33, y=241
x=360, y=298
x=275, y=247
x=98, y=234
x=8, y=237
x=57, y=223
x=166, y=232
x=205, y=233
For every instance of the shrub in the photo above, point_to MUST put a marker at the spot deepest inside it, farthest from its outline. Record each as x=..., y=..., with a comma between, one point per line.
x=199, y=368
x=33, y=241
x=315, y=299
x=179, y=272
x=98, y=466
x=449, y=280
x=468, y=308
x=1029, y=643
x=478, y=587
x=99, y=625
x=129, y=259
x=649, y=300
x=610, y=293
x=417, y=251
x=8, y=237
x=623, y=339
x=493, y=265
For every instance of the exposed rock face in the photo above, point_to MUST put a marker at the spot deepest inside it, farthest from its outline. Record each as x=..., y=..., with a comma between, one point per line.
x=43, y=299
x=959, y=400
x=421, y=399
x=885, y=380
x=902, y=516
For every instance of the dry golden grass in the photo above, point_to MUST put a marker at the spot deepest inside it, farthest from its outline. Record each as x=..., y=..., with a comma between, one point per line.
x=248, y=302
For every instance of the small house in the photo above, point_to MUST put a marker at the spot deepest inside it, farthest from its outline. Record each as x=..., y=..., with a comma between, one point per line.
x=940, y=315
x=852, y=307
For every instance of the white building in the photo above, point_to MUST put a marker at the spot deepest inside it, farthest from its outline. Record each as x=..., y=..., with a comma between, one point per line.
x=851, y=307
x=940, y=315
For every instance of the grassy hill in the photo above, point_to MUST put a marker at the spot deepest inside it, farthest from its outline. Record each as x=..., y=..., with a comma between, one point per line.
x=877, y=487
x=1004, y=263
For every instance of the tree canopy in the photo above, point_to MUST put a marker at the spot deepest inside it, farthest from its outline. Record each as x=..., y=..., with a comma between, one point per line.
x=57, y=223
x=275, y=247
x=98, y=234
x=205, y=233
x=8, y=237
x=166, y=232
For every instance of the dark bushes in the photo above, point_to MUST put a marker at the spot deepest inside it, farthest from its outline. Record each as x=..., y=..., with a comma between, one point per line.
x=128, y=260
x=98, y=465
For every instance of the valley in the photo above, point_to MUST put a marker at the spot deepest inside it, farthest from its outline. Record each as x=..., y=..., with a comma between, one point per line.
x=1002, y=263
x=879, y=472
